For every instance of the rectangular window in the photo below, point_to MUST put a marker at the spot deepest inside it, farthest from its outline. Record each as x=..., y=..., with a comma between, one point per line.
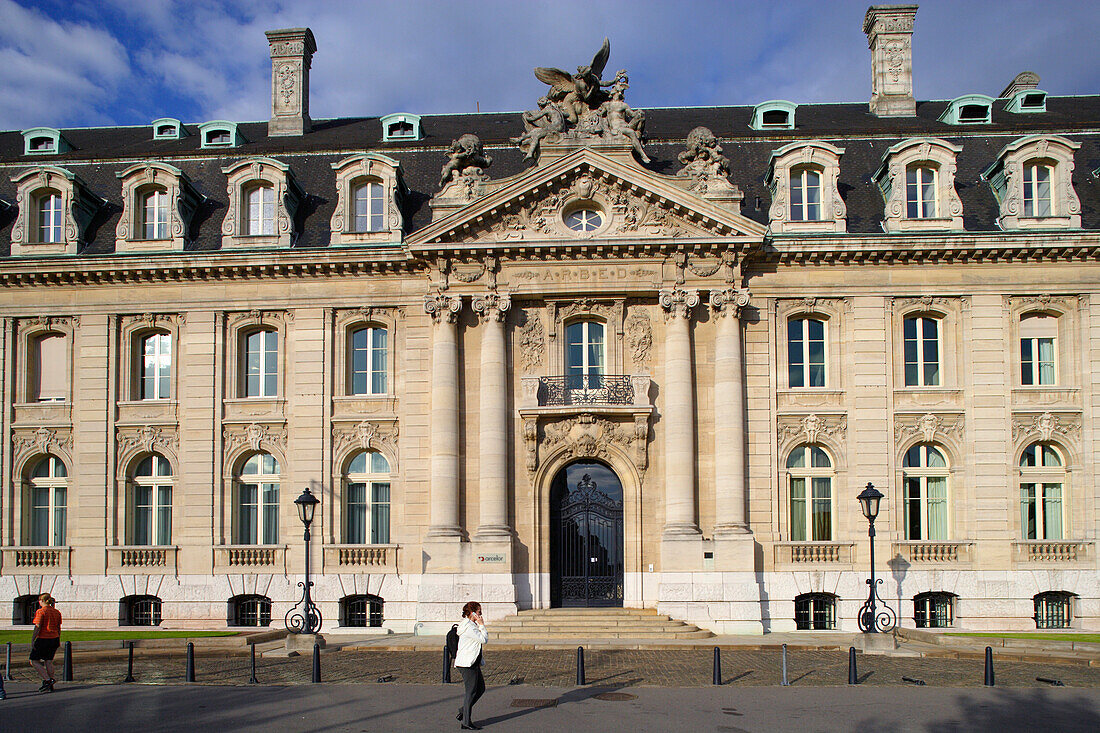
x=798, y=510
x=805, y=195
x=40, y=517
x=357, y=514
x=261, y=364
x=922, y=352
x=261, y=211
x=1052, y=511
x=1037, y=361
x=1037, y=198
x=380, y=514
x=822, y=509
x=49, y=218
x=805, y=352
x=258, y=516
x=920, y=193
x=152, y=515
x=156, y=373
x=155, y=215
x=51, y=368
x=369, y=214
x=369, y=354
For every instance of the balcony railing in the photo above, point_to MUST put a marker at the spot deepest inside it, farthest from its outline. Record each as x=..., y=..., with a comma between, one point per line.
x=39, y=560
x=355, y=558
x=1028, y=551
x=922, y=552
x=586, y=389
x=142, y=559
x=800, y=553
x=243, y=558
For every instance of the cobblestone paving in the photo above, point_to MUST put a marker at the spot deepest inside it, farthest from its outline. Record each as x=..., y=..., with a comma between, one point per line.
x=611, y=668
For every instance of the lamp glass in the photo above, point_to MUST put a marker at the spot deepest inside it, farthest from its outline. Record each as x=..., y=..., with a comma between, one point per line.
x=869, y=500
x=306, y=504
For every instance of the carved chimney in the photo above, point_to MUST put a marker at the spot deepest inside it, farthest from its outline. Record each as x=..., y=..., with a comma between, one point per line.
x=889, y=30
x=292, y=52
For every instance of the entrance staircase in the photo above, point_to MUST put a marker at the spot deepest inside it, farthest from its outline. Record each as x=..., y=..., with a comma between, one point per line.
x=567, y=627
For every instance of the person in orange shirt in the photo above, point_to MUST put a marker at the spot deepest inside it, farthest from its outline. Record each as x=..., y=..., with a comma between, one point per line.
x=45, y=640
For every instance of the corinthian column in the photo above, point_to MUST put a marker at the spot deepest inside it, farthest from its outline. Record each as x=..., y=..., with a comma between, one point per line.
x=678, y=413
x=729, y=414
x=493, y=419
x=444, y=311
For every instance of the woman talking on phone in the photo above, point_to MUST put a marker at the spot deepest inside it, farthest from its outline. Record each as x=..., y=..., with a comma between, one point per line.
x=471, y=635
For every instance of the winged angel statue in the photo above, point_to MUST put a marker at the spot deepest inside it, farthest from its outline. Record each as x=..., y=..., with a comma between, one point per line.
x=577, y=107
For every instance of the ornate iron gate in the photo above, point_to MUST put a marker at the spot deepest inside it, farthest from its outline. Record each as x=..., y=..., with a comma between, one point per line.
x=586, y=538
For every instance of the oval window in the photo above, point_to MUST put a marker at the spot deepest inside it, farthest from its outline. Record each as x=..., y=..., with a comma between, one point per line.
x=584, y=220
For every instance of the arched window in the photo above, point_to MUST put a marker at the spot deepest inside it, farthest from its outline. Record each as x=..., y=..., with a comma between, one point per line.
x=1042, y=480
x=258, y=501
x=139, y=611
x=361, y=611
x=368, y=198
x=50, y=368
x=810, y=481
x=805, y=352
x=369, y=355
x=1053, y=610
x=1038, y=350
x=49, y=485
x=585, y=355
x=259, y=210
x=925, y=471
x=261, y=364
x=920, y=192
x=934, y=610
x=815, y=611
x=152, y=502
x=805, y=194
x=156, y=366
x=154, y=214
x=249, y=610
x=367, y=502
x=49, y=209
x=922, y=351
x=1038, y=177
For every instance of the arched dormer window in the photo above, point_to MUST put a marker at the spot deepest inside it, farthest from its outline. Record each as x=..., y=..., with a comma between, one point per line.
x=159, y=202
x=219, y=134
x=44, y=141
x=776, y=114
x=263, y=200
x=368, y=191
x=168, y=128
x=802, y=178
x=400, y=126
x=1032, y=180
x=917, y=181
x=55, y=209
x=970, y=109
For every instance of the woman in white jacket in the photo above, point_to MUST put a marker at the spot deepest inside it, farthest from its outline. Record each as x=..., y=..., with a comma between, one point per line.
x=471, y=635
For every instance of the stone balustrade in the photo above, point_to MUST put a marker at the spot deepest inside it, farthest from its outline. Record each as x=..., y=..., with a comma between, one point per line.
x=1056, y=551
x=921, y=552
x=803, y=553
x=357, y=558
x=243, y=558
x=142, y=559
x=37, y=560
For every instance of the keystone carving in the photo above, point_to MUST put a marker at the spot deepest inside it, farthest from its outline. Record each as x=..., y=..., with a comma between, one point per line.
x=367, y=435
x=255, y=436
x=1047, y=426
x=811, y=428
x=42, y=440
x=586, y=436
x=930, y=427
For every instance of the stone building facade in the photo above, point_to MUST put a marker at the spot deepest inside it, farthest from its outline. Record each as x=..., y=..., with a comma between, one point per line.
x=581, y=379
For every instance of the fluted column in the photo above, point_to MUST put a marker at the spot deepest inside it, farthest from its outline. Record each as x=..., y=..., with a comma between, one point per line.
x=678, y=413
x=729, y=413
x=444, y=311
x=493, y=418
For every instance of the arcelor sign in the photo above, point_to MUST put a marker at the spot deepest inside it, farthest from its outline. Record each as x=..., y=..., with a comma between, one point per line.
x=496, y=557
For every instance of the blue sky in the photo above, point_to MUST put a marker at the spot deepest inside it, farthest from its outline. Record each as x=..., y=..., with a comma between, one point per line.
x=75, y=63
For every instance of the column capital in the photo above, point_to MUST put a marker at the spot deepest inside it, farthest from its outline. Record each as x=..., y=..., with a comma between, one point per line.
x=491, y=306
x=678, y=302
x=443, y=307
x=729, y=301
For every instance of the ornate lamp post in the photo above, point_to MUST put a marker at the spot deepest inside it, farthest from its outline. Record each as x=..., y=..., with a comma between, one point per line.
x=304, y=618
x=871, y=620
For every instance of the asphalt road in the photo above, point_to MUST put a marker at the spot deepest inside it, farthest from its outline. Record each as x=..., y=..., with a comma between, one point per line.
x=332, y=708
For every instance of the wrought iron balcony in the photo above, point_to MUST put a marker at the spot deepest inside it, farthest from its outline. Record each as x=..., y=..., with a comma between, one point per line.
x=586, y=389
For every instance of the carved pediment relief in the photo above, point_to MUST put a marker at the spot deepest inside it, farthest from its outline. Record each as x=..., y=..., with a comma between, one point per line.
x=929, y=428
x=379, y=435
x=627, y=202
x=587, y=436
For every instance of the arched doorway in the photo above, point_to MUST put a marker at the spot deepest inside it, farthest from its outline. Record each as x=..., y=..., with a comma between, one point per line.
x=586, y=536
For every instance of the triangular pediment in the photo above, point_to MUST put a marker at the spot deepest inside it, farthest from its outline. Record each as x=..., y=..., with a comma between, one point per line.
x=634, y=203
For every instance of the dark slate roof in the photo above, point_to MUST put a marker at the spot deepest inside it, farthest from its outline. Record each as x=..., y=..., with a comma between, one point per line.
x=99, y=153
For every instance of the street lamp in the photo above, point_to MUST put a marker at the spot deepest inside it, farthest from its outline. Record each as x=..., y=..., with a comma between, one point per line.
x=871, y=620
x=306, y=619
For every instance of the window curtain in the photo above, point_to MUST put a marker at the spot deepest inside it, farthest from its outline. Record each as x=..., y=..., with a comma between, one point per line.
x=822, y=510
x=798, y=510
x=1052, y=512
x=937, y=508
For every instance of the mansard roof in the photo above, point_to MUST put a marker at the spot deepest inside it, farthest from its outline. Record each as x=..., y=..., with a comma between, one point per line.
x=98, y=154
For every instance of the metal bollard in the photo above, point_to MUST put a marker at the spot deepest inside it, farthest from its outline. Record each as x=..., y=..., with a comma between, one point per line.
x=189, y=672
x=785, y=682
x=580, y=666
x=3, y=694
x=67, y=672
x=252, y=678
x=316, y=662
x=989, y=666
x=446, y=665
x=853, y=677
x=7, y=667
x=716, y=677
x=130, y=665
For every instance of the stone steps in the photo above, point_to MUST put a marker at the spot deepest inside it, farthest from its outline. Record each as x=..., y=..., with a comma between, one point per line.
x=559, y=625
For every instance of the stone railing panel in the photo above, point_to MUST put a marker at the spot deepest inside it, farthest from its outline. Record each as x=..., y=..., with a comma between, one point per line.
x=932, y=552
x=1053, y=551
x=36, y=560
x=808, y=553
x=251, y=558
x=141, y=559
x=360, y=558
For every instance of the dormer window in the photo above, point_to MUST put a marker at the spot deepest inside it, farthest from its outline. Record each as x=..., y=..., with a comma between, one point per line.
x=805, y=194
x=972, y=109
x=802, y=178
x=368, y=199
x=920, y=192
x=55, y=209
x=1027, y=100
x=158, y=203
x=220, y=134
x=917, y=181
x=1032, y=180
x=167, y=128
x=774, y=115
x=263, y=199
x=48, y=210
x=368, y=188
x=260, y=219
x=401, y=126
x=44, y=141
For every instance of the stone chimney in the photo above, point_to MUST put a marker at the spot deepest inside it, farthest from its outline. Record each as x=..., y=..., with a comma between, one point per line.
x=292, y=52
x=889, y=30
x=1023, y=80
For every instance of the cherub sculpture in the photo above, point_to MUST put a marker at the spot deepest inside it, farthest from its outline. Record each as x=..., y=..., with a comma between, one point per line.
x=547, y=120
x=703, y=157
x=466, y=158
x=581, y=92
